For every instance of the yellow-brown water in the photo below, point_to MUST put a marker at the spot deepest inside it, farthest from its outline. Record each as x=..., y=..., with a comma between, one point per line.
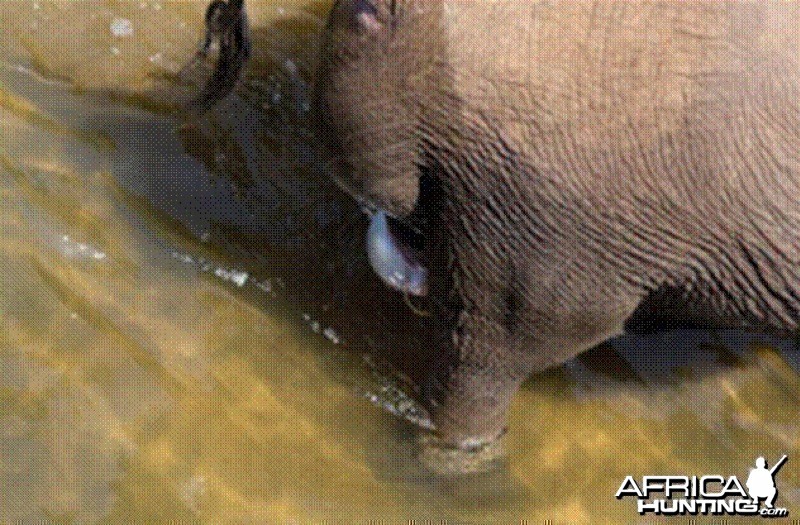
x=185, y=311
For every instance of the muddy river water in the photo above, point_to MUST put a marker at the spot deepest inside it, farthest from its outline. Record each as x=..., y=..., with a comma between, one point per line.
x=189, y=329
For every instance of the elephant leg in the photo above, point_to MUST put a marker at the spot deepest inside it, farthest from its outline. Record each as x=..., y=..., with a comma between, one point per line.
x=473, y=383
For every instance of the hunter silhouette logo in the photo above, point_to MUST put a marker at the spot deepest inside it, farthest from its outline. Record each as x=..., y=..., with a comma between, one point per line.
x=761, y=483
x=708, y=495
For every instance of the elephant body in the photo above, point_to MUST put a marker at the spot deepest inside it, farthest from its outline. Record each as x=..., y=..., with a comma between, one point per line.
x=576, y=168
x=598, y=166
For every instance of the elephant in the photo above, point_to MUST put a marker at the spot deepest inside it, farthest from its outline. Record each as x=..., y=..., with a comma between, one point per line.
x=550, y=174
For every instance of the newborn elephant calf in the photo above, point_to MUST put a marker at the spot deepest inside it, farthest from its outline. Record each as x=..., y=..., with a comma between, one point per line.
x=567, y=170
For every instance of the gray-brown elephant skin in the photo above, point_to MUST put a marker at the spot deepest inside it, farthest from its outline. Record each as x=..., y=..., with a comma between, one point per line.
x=576, y=169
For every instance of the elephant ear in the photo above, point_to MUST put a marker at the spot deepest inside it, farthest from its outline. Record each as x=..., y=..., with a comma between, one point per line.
x=383, y=152
x=396, y=195
x=370, y=93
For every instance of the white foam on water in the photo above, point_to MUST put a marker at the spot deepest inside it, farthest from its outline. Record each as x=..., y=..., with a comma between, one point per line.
x=121, y=27
x=73, y=249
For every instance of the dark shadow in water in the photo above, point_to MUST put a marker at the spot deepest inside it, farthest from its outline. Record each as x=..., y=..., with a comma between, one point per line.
x=663, y=358
x=270, y=201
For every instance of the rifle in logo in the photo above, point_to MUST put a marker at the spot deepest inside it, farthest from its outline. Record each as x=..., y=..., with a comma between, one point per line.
x=761, y=482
